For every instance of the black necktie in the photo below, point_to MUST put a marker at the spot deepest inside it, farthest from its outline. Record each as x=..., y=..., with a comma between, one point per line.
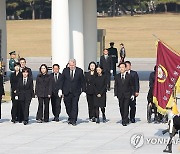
x=56, y=77
x=123, y=78
x=71, y=74
x=24, y=82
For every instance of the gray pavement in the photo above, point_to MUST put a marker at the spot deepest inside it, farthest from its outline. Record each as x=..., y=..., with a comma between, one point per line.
x=86, y=137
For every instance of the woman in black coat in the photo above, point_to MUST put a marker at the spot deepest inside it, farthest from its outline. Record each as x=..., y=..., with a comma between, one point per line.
x=100, y=89
x=89, y=85
x=2, y=93
x=16, y=111
x=43, y=91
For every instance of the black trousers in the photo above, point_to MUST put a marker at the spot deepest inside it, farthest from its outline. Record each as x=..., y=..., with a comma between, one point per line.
x=24, y=105
x=114, y=68
x=91, y=107
x=71, y=103
x=97, y=111
x=56, y=105
x=108, y=78
x=0, y=106
x=124, y=109
x=132, y=105
x=43, y=103
x=16, y=111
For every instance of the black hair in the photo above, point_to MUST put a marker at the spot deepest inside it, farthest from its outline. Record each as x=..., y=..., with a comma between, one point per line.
x=22, y=59
x=16, y=64
x=128, y=62
x=56, y=65
x=92, y=62
x=25, y=70
x=44, y=66
x=122, y=63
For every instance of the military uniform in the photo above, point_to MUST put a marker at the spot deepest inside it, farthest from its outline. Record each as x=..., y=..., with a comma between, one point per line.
x=114, y=54
x=12, y=62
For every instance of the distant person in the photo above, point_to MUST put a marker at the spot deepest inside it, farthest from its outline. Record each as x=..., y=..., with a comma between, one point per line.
x=56, y=77
x=135, y=80
x=114, y=54
x=72, y=86
x=89, y=89
x=150, y=95
x=100, y=90
x=123, y=91
x=122, y=53
x=22, y=62
x=43, y=91
x=12, y=60
x=16, y=111
x=107, y=65
x=25, y=93
x=2, y=92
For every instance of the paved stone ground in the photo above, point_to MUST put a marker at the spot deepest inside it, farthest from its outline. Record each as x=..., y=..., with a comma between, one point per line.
x=86, y=137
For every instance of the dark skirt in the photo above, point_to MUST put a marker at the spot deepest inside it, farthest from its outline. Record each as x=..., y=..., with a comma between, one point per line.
x=100, y=101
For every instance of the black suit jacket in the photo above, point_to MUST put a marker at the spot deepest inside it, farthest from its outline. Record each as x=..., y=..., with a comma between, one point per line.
x=56, y=85
x=25, y=92
x=135, y=79
x=114, y=54
x=14, y=81
x=89, y=82
x=1, y=86
x=106, y=64
x=43, y=85
x=125, y=89
x=75, y=86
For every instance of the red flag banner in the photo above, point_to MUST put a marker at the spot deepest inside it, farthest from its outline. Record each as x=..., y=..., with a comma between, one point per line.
x=167, y=77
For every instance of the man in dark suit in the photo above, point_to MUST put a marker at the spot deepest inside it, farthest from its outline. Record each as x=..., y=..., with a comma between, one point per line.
x=55, y=99
x=106, y=64
x=72, y=85
x=135, y=79
x=22, y=62
x=25, y=93
x=123, y=91
x=114, y=54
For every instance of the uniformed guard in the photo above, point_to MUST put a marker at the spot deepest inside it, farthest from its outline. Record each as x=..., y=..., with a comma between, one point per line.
x=12, y=60
x=114, y=54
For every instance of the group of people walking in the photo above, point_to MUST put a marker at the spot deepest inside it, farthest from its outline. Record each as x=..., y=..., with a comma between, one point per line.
x=69, y=86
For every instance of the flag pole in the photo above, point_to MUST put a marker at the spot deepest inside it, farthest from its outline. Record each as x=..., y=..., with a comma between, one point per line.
x=178, y=53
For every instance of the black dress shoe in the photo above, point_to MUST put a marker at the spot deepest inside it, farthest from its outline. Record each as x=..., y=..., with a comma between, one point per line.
x=20, y=121
x=73, y=123
x=69, y=122
x=25, y=122
x=133, y=121
x=46, y=120
x=93, y=119
x=57, y=119
x=124, y=124
x=13, y=121
x=54, y=119
x=97, y=121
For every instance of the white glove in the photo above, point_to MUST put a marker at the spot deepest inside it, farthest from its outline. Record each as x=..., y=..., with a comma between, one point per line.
x=132, y=98
x=16, y=97
x=60, y=93
x=111, y=71
x=83, y=94
x=115, y=98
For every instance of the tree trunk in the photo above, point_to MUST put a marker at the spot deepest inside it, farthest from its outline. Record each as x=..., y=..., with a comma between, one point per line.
x=131, y=3
x=114, y=8
x=165, y=7
x=33, y=10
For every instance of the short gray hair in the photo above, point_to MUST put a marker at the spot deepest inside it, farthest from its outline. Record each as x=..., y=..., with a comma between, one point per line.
x=72, y=60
